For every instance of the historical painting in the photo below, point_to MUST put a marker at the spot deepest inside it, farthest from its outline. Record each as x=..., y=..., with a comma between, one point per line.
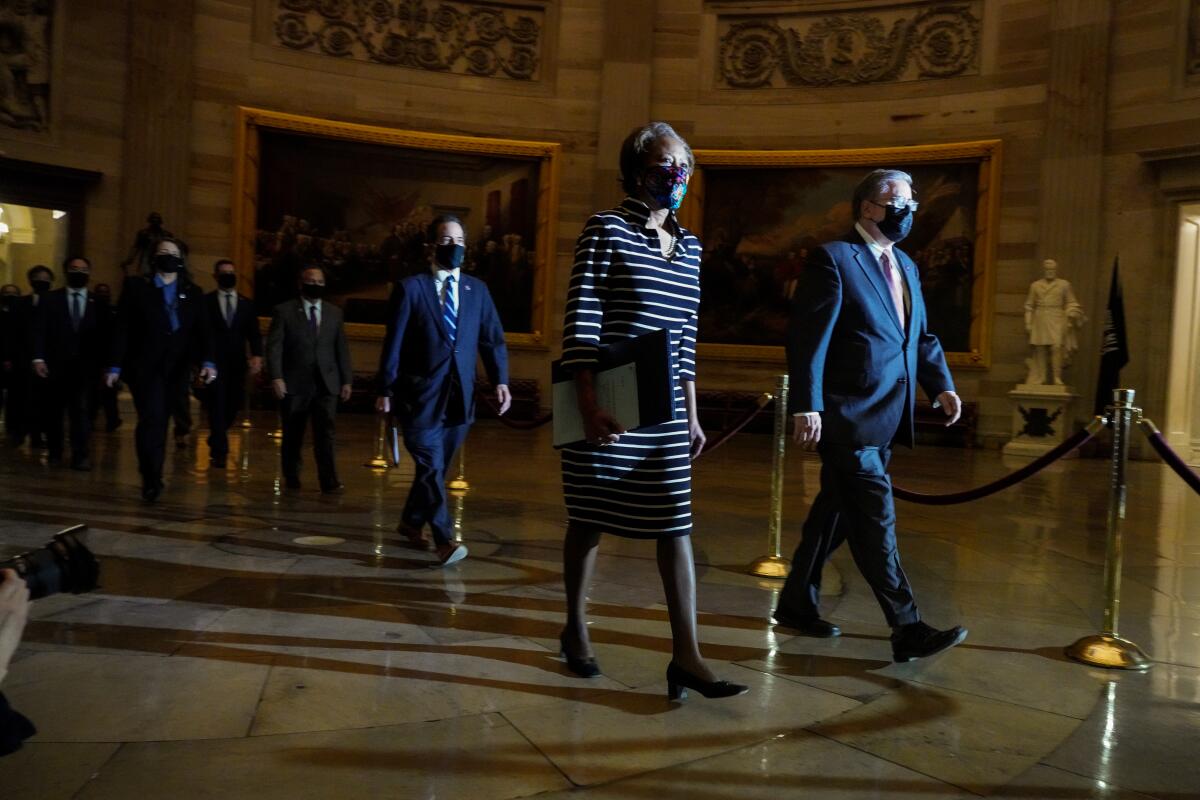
x=759, y=215
x=360, y=208
x=25, y=48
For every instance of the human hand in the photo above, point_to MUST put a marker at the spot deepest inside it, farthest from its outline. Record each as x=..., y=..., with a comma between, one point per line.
x=503, y=397
x=345, y=393
x=14, y=610
x=807, y=432
x=696, y=438
x=280, y=388
x=383, y=405
x=599, y=427
x=255, y=365
x=208, y=375
x=40, y=369
x=951, y=405
x=111, y=379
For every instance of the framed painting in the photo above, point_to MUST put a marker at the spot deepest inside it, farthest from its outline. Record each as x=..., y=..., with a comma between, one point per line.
x=356, y=200
x=759, y=213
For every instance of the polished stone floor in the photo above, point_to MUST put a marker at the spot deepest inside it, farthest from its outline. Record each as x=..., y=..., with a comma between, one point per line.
x=251, y=643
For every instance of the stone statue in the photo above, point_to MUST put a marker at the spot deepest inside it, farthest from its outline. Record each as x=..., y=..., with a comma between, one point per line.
x=145, y=245
x=1052, y=315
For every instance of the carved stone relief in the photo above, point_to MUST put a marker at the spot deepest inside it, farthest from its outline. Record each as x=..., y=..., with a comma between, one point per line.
x=495, y=40
x=897, y=43
x=1192, y=57
x=25, y=27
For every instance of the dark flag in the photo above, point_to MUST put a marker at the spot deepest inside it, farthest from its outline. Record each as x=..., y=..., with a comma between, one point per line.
x=1114, y=347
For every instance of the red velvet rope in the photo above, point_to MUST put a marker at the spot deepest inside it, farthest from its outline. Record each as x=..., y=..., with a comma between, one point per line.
x=1168, y=455
x=1027, y=471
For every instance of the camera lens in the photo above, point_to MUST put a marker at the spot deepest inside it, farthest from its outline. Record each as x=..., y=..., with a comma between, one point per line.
x=63, y=565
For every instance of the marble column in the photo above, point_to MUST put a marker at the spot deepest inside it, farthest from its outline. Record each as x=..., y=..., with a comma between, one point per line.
x=624, y=87
x=1071, y=208
x=158, y=115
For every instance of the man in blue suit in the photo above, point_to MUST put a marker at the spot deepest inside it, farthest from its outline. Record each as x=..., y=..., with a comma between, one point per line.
x=857, y=346
x=441, y=322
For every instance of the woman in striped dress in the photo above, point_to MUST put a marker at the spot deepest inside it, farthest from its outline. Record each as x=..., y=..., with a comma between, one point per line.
x=636, y=271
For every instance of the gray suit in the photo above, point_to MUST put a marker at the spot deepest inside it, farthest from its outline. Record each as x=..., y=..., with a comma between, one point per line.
x=314, y=367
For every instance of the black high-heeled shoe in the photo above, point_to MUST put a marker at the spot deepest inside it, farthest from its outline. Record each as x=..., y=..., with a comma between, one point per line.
x=583, y=667
x=680, y=680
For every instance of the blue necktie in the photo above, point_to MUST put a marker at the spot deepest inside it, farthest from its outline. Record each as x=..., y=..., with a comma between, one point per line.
x=76, y=310
x=449, y=310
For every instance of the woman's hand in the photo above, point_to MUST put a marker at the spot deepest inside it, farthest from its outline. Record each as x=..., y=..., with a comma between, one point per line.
x=697, y=438
x=600, y=427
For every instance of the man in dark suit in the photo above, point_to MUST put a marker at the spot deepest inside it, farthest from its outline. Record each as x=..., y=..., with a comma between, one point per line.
x=27, y=413
x=857, y=346
x=106, y=397
x=10, y=296
x=67, y=354
x=308, y=360
x=441, y=322
x=161, y=334
x=234, y=327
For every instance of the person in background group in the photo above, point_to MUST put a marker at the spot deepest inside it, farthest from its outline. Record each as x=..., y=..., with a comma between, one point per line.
x=10, y=295
x=637, y=270
x=234, y=327
x=106, y=396
x=67, y=340
x=857, y=347
x=161, y=336
x=308, y=360
x=27, y=414
x=441, y=323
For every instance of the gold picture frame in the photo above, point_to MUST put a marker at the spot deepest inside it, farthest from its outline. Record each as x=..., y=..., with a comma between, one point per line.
x=985, y=153
x=248, y=154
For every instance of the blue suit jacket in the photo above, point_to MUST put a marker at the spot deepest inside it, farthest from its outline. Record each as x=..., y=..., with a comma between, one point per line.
x=418, y=358
x=848, y=356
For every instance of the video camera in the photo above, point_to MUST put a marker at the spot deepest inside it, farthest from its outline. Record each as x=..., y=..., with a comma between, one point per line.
x=64, y=564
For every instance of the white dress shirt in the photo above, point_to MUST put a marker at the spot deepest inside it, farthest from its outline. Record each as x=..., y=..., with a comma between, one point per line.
x=439, y=283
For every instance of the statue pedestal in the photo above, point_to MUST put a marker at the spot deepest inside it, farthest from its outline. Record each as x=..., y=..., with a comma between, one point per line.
x=1042, y=418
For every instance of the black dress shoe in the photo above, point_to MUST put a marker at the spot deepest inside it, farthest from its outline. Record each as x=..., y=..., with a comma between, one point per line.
x=151, y=491
x=54, y=459
x=333, y=488
x=583, y=667
x=680, y=680
x=216, y=463
x=82, y=464
x=808, y=626
x=291, y=482
x=919, y=640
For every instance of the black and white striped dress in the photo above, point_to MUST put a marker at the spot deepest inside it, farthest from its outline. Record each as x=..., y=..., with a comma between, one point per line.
x=621, y=287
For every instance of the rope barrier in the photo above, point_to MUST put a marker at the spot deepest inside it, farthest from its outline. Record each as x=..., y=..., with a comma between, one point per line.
x=1168, y=455
x=1029, y=470
x=741, y=422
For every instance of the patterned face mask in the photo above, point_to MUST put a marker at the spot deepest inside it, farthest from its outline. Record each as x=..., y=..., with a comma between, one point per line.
x=667, y=185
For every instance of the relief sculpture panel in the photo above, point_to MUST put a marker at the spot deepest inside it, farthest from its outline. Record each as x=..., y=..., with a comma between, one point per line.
x=895, y=43
x=25, y=48
x=494, y=40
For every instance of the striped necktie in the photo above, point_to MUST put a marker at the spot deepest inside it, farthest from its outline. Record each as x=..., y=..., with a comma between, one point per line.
x=76, y=309
x=449, y=309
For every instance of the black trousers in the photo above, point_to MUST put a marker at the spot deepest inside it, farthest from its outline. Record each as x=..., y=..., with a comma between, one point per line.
x=432, y=450
x=295, y=411
x=855, y=505
x=155, y=395
x=16, y=403
x=108, y=399
x=72, y=388
x=223, y=400
x=181, y=409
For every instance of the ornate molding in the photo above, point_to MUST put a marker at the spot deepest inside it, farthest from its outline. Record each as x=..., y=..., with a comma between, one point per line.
x=906, y=42
x=480, y=39
x=26, y=46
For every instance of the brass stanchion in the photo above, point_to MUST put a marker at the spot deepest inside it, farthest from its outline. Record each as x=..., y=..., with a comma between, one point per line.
x=1108, y=649
x=775, y=565
x=458, y=504
x=459, y=482
x=380, y=461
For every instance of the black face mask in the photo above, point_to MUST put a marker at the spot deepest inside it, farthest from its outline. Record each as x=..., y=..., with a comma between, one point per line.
x=896, y=224
x=167, y=263
x=449, y=256
x=312, y=291
x=77, y=280
x=40, y=287
x=226, y=280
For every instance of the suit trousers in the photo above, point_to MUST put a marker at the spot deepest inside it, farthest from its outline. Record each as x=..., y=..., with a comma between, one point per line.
x=296, y=410
x=855, y=504
x=16, y=405
x=155, y=395
x=223, y=400
x=71, y=390
x=432, y=450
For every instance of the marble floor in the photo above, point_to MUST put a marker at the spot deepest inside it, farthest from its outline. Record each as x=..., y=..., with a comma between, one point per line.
x=252, y=643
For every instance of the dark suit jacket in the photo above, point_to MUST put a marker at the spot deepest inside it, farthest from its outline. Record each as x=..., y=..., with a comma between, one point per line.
x=231, y=341
x=18, y=332
x=58, y=343
x=418, y=358
x=848, y=356
x=143, y=342
x=301, y=359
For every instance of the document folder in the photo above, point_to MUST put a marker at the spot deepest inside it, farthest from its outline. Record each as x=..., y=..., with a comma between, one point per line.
x=633, y=383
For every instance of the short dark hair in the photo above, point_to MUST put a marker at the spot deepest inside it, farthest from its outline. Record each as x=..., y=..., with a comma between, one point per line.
x=11, y=286
x=873, y=183
x=67, y=261
x=638, y=143
x=317, y=267
x=439, y=221
x=217, y=264
x=35, y=269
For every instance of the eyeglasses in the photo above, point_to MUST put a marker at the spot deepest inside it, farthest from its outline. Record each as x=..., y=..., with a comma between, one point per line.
x=899, y=204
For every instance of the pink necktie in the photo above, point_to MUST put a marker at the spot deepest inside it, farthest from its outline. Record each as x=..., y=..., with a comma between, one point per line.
x=892, y=276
